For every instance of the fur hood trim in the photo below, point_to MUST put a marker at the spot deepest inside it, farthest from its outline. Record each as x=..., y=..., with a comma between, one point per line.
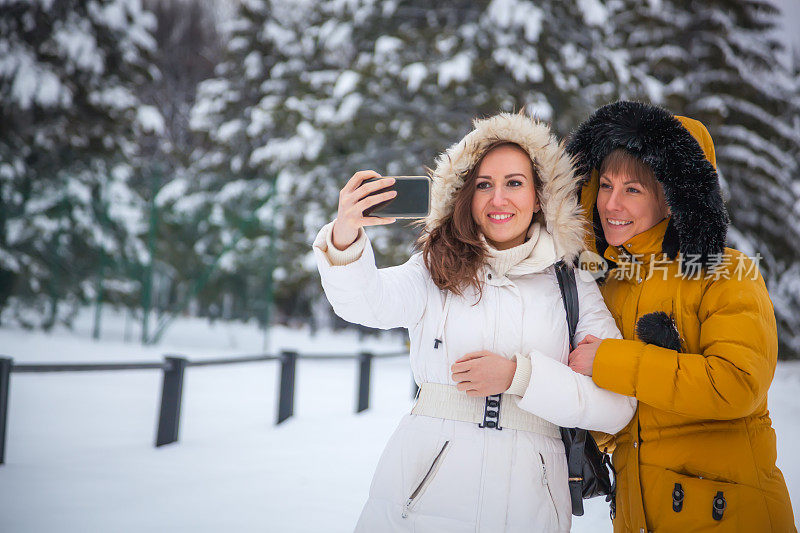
x=680, y=153
x=563, y=216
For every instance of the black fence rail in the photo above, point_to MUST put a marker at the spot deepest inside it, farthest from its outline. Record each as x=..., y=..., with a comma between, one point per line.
x=174, y=368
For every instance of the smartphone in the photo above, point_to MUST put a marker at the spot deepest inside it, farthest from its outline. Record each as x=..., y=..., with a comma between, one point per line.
x=413, y=198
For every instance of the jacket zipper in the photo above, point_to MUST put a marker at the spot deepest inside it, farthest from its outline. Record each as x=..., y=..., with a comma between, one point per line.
x=415, y=495
x=546, y=483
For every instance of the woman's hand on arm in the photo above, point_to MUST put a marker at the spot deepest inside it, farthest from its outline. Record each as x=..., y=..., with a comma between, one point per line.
x=353, y=200
x=581, y=359
x=483, y=373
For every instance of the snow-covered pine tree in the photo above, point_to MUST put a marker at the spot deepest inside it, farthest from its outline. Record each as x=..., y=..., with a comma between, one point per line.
x=188, y=47
x=68, y=215
x=720, y=62
x=647, y=34
x=230, y=194
x=785, y=290
x=314, y=91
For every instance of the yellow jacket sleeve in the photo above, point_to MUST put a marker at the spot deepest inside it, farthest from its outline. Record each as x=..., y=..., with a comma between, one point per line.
x=730, y=376
x=605, y=442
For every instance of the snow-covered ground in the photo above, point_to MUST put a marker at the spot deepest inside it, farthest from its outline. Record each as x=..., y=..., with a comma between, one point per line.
x=80, y=455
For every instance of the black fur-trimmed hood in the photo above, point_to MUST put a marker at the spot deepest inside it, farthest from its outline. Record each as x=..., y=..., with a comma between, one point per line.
x=680, y=152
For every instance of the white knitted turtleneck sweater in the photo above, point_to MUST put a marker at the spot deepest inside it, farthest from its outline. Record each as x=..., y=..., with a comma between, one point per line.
x=503, y=261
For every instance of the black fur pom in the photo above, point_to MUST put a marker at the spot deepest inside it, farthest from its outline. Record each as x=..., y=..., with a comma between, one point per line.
x=659, y=329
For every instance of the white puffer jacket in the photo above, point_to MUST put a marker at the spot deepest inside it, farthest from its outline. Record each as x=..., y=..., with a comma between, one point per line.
x=444, y=475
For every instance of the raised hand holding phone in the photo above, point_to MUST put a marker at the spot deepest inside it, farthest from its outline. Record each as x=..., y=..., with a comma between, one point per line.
x=353, y=200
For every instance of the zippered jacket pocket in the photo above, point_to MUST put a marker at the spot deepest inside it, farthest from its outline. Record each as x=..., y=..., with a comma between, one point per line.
x=546, y=483
x=419, y=490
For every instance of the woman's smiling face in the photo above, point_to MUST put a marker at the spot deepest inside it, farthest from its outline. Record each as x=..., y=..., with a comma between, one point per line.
x=504, y=200
x=626, y=207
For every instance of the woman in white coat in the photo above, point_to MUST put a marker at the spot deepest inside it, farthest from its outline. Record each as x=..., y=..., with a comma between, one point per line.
x=482, y=290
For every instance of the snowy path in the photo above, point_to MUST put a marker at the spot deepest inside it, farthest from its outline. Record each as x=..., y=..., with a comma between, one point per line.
x=80, y=457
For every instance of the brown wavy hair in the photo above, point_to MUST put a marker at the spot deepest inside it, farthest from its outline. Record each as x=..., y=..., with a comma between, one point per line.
x=453, y=251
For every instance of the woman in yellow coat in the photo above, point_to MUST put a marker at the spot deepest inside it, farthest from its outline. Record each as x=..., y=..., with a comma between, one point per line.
x=700, y=341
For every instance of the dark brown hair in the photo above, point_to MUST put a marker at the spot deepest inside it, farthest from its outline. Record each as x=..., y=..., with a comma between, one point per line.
x=453, y=252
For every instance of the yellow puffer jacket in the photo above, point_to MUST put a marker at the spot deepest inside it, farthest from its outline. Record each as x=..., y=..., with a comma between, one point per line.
x=701, y=436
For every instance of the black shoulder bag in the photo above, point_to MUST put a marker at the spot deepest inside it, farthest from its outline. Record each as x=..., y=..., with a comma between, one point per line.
x=590, y=470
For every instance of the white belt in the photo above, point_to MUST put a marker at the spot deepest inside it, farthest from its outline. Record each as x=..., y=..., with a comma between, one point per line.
x=446, y=401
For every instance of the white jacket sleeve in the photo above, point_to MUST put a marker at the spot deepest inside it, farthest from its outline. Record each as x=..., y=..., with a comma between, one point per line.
x=594, y=318
x=564, y=397
x=361, y=293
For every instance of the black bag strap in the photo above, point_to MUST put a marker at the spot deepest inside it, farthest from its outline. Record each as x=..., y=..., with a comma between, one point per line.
x=577, y=437
x=569, y=294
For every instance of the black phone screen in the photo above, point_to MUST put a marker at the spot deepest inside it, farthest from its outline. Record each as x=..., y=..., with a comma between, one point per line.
x=412, y=200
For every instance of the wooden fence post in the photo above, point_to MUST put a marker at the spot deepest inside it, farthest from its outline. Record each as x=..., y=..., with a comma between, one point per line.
x=364, y=371
x=171, y=392
x=5, y=375
x=286, y=392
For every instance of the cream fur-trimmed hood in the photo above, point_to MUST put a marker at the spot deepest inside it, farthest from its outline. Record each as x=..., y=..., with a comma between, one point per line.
x=563, y=216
